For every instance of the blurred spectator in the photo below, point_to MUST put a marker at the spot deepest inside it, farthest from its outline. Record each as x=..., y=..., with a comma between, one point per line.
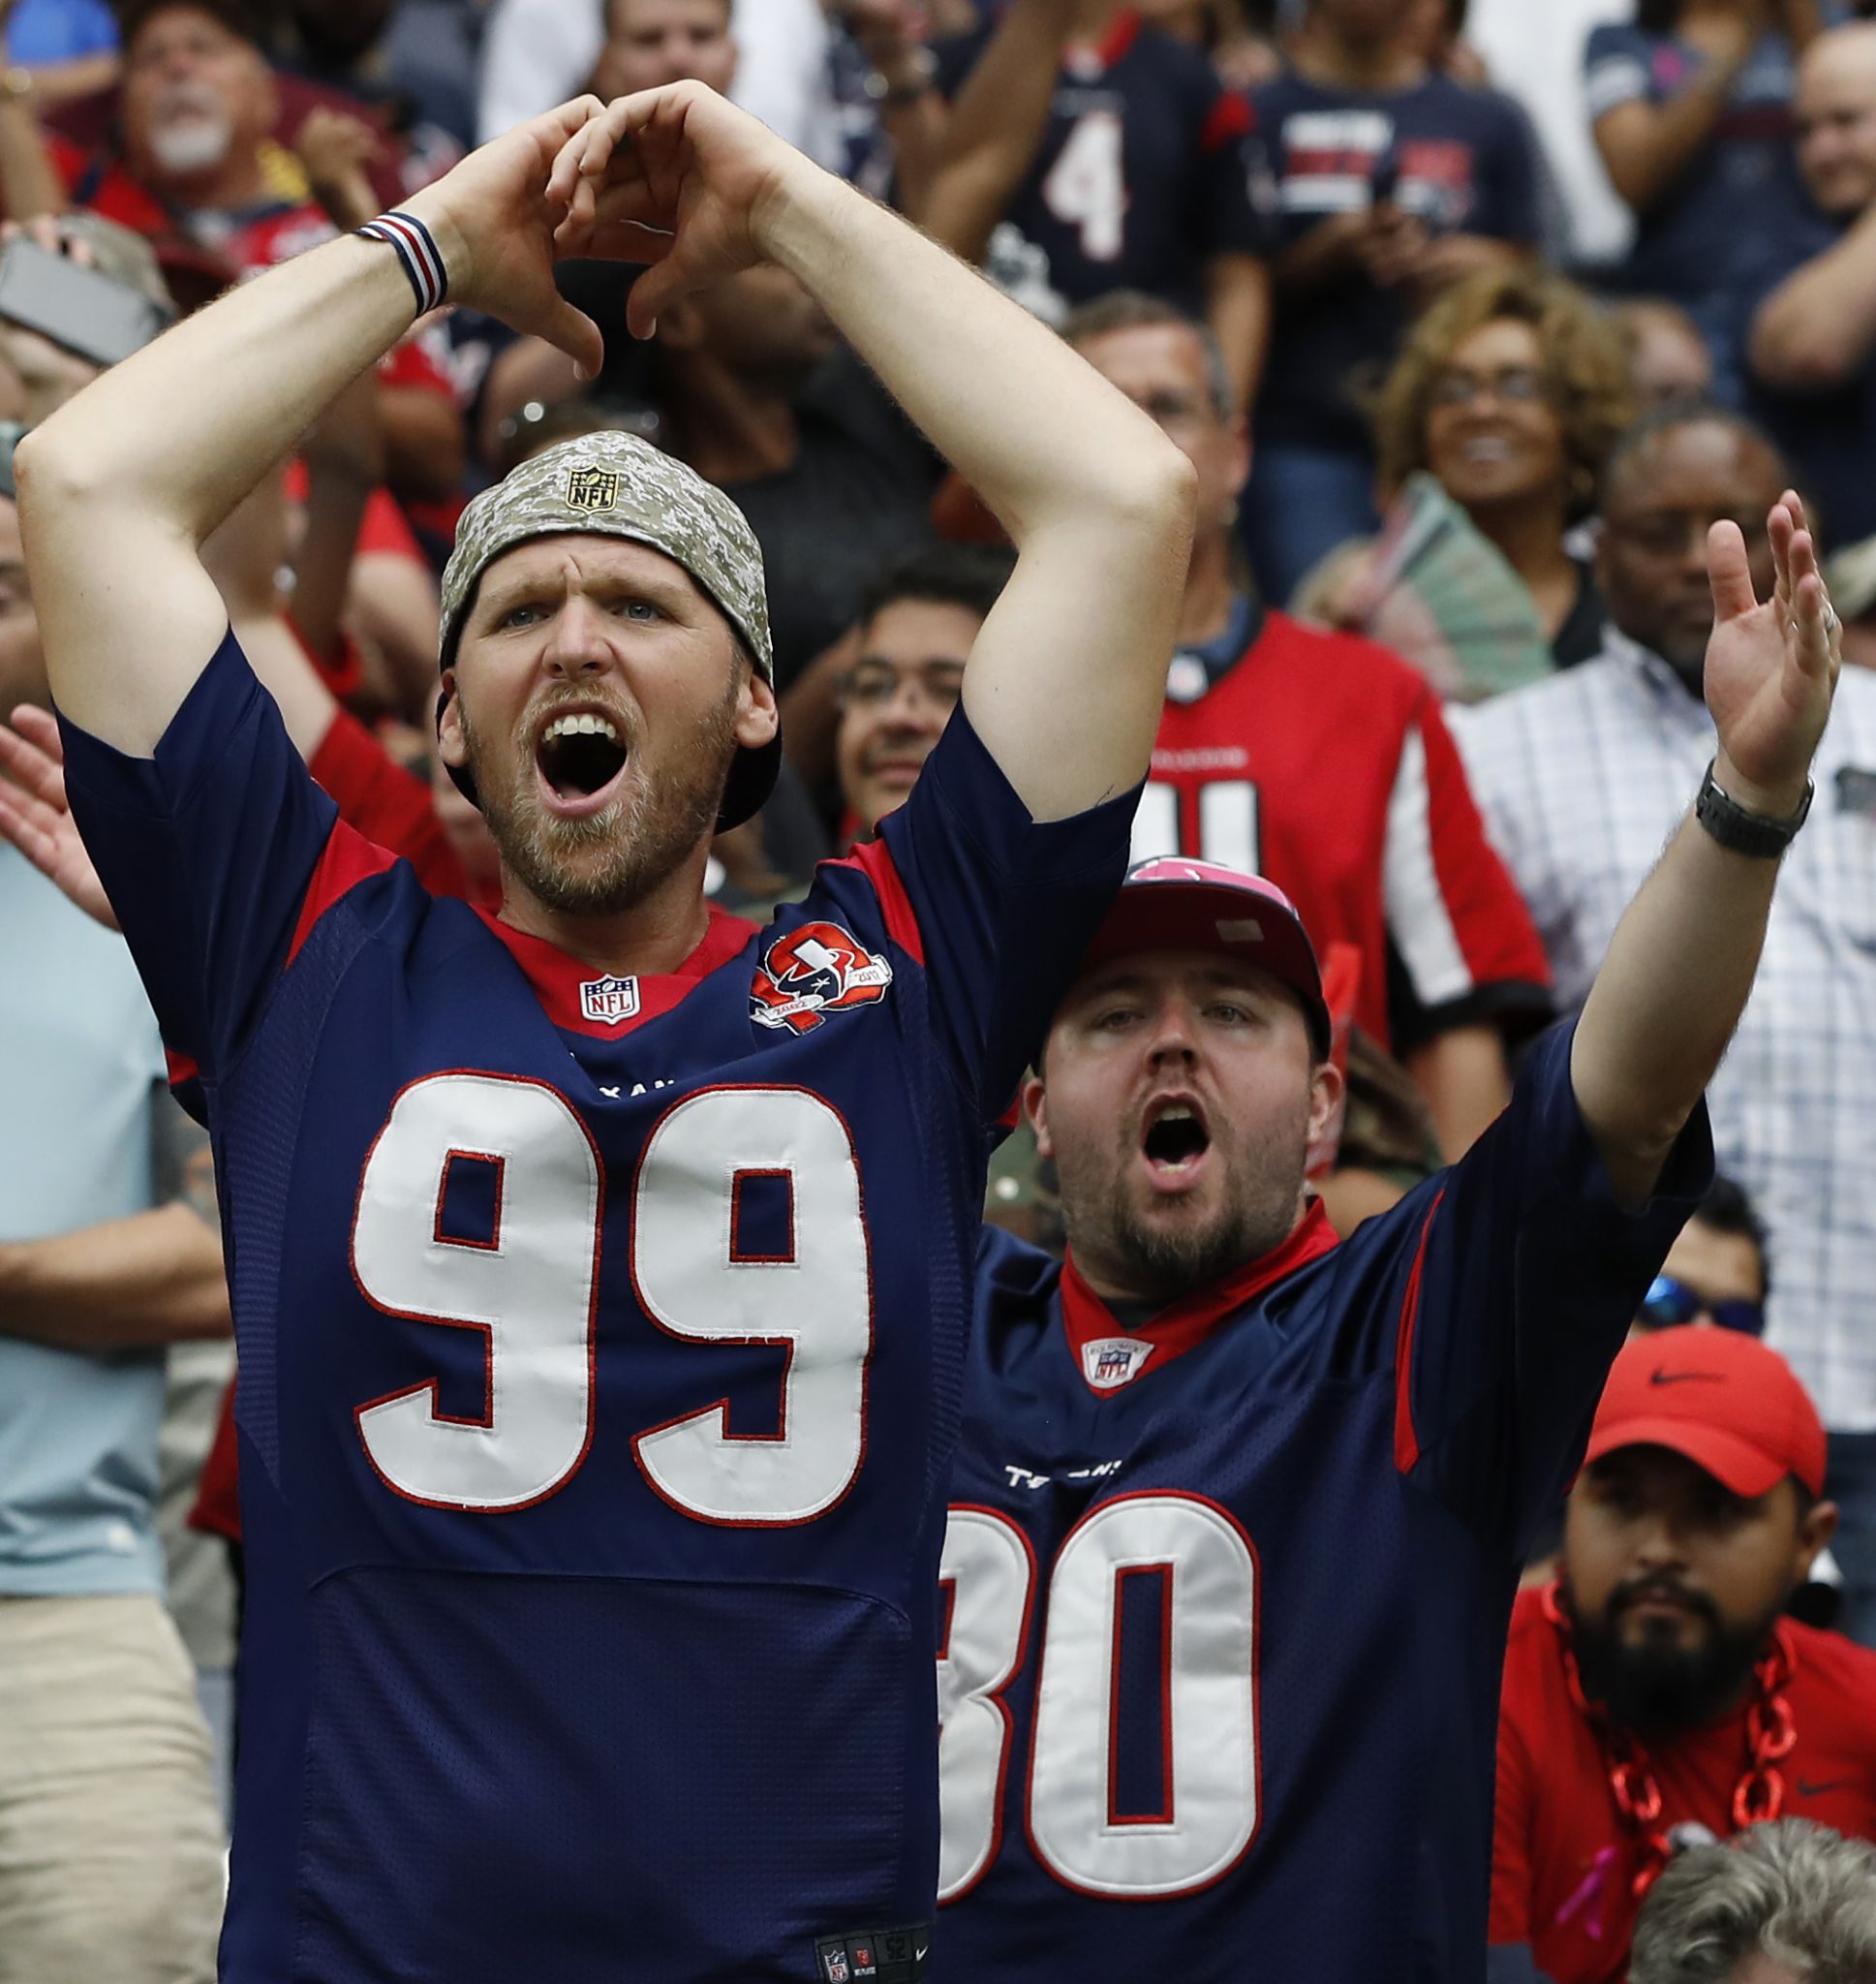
x=1437, y=34
x=199, y=156
x=38, y=374
x=649, y=43
x=111, y=1865
x=536, y=53
x=1239, y=34
x=757, y=397
x=915, y=626
x=1692, y=108
x=889, y=118
x=354, y=48
x=59, y=48
x=1393, y=182
x=1534, y=54
x=1582, y=780
x=1657, y=1696
x=1809, y=294
x=1786, y=1903
x=1322, y=761
x=1667, y=359
x=1090, y=151
x=1715, y=1273
x=1509, y=391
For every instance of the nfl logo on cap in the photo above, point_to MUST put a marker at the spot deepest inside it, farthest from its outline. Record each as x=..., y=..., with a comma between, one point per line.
x=591, y=488
x=607, y=1000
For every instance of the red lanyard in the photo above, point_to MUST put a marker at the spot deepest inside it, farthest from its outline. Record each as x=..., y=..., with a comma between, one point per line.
x=1771, y=1734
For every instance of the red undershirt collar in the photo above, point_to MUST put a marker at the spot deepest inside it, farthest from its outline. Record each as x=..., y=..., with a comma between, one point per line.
x=1187, y=1323
x=557, y=976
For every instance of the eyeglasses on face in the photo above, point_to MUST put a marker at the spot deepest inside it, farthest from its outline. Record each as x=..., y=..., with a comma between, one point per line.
x=875, y=683
x=1510, y=384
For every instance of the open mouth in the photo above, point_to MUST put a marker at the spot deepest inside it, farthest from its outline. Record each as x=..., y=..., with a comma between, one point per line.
x=580, y=758
x=1176, y=1137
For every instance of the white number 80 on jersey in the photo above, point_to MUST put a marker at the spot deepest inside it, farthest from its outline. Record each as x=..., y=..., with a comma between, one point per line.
x=1208, y=1693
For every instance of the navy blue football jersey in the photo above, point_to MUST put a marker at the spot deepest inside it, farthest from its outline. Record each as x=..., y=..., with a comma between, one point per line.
x=1142, y=176
x=1227, y=1590
x=601, y=1345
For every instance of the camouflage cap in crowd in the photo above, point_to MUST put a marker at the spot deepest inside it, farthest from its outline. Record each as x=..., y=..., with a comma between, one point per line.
x=617, y=485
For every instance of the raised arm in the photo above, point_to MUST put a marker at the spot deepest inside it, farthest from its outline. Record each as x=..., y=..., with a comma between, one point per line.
x=1682, y=962
x=1816, y=330
x=998, y=124
x=1647, y=146
x=156, y=454
x=1065, y=683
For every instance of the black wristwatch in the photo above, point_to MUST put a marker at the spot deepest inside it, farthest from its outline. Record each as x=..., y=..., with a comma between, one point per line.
x=1743, y=832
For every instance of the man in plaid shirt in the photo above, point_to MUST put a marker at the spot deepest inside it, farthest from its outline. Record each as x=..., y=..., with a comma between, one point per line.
x=1582, y=779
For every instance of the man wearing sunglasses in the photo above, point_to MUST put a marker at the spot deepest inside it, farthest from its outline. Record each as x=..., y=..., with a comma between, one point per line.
x=1715, y=1272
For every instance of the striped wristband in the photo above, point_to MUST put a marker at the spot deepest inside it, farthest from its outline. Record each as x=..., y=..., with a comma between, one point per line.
x=418, y=251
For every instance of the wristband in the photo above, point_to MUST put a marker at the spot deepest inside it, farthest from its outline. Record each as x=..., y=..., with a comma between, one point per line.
x=418, y=251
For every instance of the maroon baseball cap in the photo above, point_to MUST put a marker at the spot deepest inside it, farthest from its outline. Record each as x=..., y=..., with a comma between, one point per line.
x=1724, y=1400
x=1173, y=904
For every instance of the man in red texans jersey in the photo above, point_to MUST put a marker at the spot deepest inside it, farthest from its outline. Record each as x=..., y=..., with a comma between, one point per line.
x=1321, y=760
x=1239, y=1511
x=598, y=1269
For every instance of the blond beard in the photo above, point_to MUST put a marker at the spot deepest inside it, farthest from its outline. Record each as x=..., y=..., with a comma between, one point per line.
x=645, y=833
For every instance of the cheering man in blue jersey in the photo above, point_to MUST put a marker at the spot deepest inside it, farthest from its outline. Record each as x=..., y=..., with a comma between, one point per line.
x=1239, y=1512
x=598, y=1268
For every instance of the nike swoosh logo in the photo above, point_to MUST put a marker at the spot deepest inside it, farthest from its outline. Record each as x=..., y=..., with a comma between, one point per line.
x=918, y=1955
x=1685, y=1378
x=1806, y=1791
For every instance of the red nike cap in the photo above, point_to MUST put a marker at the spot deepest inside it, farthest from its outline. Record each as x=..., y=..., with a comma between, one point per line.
x=1173, y=904
x=1726, y=1400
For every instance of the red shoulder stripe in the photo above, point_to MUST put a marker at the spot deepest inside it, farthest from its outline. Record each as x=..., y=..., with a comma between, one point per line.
x=875, y=861
x=1406, y=1442
x=347, y=861
x=1229, y=119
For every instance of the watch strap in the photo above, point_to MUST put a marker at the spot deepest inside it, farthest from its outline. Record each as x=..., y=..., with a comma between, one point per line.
x=1743, y=832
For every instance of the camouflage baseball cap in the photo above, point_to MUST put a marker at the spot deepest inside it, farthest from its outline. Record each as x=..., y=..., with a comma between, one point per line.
x=617, y=486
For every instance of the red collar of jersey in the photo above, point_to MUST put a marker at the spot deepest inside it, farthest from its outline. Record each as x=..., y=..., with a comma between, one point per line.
x=1123, y=31
x=557, y=976
x=1191, y=1319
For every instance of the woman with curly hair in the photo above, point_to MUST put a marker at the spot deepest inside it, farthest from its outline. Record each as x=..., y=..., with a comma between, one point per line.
x=1501, y=409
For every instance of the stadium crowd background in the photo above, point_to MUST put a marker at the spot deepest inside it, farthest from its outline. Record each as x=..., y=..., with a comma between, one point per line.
x=1473, y=323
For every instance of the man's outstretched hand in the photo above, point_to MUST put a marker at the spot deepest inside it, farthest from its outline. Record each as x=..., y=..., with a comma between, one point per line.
x=33, y=816
x=677, y=178
x=1771, y=665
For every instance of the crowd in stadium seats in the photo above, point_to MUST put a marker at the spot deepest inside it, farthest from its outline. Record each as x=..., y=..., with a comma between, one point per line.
x=1467, y=381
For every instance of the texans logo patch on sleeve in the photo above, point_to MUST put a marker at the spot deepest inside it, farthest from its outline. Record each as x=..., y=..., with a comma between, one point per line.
x=807, y=974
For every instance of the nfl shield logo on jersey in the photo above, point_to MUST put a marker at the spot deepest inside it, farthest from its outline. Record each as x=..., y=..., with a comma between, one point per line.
x=1110, y=1362
x=609, y=1000
x=807, y=974
x=835, y=1962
